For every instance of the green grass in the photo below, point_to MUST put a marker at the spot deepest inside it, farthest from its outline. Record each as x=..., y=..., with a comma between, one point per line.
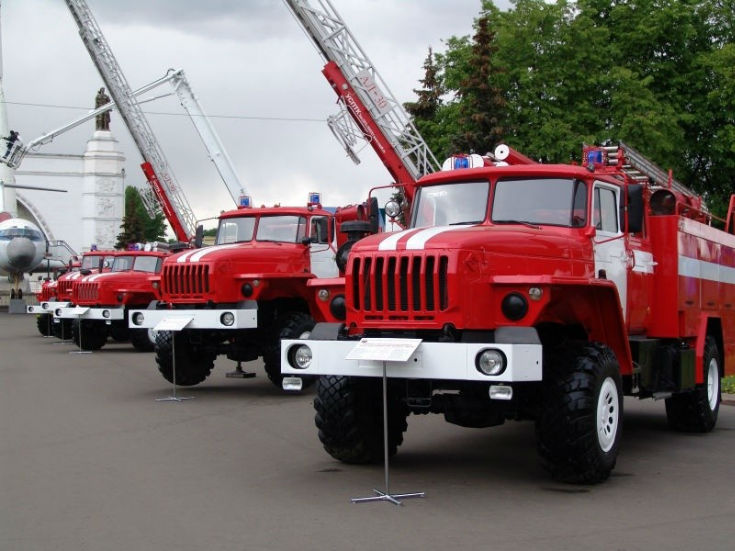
x=728, y=384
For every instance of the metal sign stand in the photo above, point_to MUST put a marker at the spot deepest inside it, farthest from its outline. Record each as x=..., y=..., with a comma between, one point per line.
x=79, y=312
x=398, y=350
x=174, y=325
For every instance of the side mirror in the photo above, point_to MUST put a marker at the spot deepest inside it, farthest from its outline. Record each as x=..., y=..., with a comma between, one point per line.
x=635, y=208
x=199, y=236
x=308, y=240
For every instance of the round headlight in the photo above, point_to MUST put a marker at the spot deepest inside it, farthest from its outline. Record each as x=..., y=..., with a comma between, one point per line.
x=514, y=306
x=247, y=289
x=535, y=293
x=105, y=313
x=490, y=362
x=338, y=307
x=57, y=313
x=302, y=357
x=323, y=294
x=44, y=305
x=138, y=318
x=392, y=209
x=227, y=319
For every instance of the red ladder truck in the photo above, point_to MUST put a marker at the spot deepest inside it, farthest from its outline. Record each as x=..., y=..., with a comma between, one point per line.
x=539, y=292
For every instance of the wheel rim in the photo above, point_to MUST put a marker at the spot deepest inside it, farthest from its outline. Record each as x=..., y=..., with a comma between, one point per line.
x=608, y=414
x=713, y=383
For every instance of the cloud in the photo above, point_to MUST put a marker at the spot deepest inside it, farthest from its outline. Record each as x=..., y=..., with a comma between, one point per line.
x=249, y=63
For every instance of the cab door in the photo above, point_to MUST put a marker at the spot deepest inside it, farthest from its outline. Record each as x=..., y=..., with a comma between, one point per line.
x=611, y=256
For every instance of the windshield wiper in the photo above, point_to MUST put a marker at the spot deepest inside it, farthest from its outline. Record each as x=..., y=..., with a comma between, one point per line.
x=522, y=222
x=468, y=222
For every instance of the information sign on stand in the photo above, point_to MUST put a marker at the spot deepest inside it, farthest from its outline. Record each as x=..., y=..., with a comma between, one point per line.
x=385, y=350
x=174, y=325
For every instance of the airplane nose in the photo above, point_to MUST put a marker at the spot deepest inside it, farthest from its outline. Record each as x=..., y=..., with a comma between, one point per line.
x=21, y=252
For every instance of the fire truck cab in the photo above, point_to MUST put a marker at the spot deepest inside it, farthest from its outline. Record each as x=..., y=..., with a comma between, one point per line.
x=57, y=293
x=271, y=273
x=541, y=292
x=100, y=301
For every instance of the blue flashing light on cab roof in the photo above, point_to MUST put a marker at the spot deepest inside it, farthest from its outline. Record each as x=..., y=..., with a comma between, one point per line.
x=245, y=201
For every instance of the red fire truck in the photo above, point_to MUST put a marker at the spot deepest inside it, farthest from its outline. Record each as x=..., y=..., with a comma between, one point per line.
x=57, y=293
x=271, y=274
x=539, y=292
x=100, y=302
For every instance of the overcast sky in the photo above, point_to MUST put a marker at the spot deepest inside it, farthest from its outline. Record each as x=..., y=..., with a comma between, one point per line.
x=253, y=69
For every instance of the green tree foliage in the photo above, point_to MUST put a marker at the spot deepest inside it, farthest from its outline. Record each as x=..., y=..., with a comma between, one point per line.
x=657, y=74
x=481, y=111
x=137, y=225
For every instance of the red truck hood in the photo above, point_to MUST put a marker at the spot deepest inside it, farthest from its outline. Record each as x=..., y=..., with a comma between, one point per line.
x=513, y=240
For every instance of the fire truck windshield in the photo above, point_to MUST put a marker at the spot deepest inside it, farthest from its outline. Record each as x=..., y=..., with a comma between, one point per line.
x=235, y=230
x=288, y=229
x=91, y=262
x=150, y=264
x=122, y=263
x=449, y=204
x=547, y=201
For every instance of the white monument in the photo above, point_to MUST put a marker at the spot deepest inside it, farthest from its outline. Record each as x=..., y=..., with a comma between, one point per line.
x=91, y=211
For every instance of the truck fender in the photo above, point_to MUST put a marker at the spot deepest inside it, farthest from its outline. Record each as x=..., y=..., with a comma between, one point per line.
x=708, y=326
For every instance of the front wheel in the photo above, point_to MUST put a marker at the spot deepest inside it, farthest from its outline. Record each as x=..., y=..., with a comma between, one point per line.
x=193, y=365
x=349, y=416
x=697, y=410
x=44, y=324
x=89, y=334
x=578, y=431
x=140, y=339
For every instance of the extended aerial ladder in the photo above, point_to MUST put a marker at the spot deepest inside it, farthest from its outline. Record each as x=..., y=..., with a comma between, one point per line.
x=368, y=110
x=173, y=202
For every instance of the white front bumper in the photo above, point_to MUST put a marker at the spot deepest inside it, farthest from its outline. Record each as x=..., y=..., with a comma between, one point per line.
x=431, y=360
x=86, y=313
x=200, y=319
x=46, y=307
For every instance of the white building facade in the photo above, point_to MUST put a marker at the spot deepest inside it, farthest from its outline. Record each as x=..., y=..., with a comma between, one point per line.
x=90, y=211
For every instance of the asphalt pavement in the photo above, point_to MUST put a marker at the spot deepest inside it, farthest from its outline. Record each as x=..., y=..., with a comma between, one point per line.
x=89, y=460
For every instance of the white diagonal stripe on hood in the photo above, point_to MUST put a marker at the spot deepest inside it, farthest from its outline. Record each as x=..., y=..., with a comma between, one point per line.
x=198, y=255
x=418, y=241
x=391, y=242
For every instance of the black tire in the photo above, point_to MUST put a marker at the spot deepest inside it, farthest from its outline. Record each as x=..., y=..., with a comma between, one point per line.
x=349, y=416
x=45, y=324
x=193, y=365
x=119, y=331
x=140, y=340
x=93, y=334
x=64, y=329
x=697, y=411
x=293, y=325
x=579, y=428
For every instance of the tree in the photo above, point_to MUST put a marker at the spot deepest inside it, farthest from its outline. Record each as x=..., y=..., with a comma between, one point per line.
x=654, y=73
x=481, y=113
x=137, y=225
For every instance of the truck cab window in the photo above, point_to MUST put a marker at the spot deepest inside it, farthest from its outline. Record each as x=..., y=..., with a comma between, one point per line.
x=605, y=216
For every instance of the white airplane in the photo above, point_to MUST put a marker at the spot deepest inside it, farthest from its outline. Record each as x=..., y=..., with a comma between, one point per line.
x=22, y=250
